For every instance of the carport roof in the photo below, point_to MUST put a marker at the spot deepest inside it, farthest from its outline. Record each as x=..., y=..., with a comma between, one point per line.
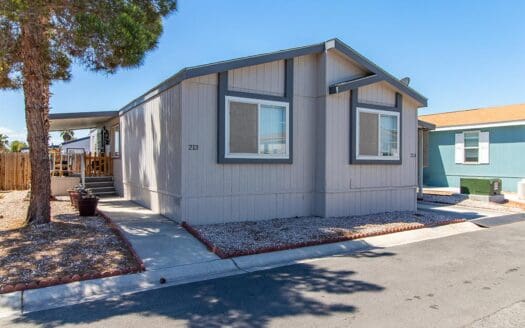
x=81, y=120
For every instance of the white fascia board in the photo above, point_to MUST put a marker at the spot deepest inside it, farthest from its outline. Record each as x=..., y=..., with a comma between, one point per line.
x=478, y=126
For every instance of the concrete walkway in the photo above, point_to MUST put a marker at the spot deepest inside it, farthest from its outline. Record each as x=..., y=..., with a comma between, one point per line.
x=161, y=243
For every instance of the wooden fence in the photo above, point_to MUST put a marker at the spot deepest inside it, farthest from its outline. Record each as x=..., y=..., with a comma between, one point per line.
x=15, y=171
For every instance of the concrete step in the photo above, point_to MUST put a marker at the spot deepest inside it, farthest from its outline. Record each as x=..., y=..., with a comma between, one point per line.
x=101, y=189
x=100, y=184
x=99, y=179
x=107, y=194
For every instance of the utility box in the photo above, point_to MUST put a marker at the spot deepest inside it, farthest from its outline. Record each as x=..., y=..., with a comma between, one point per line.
x=480, y=186
x=521, y=189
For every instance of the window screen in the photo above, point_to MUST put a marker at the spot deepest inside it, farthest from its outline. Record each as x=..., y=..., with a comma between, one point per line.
x=243, y=128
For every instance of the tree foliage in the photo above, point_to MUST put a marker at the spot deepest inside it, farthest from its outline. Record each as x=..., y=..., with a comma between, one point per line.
x=67, y=135
x=17, y=145
x=103, y=35
x=4, y=141
x=40, y=39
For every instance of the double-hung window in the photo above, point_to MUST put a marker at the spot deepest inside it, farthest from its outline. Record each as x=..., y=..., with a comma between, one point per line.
x=377, y=134
x=256, y=129
x=471, y=149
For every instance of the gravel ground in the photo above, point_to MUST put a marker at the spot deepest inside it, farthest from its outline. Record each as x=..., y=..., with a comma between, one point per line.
x=458, y=199
x=251, y=236
x=13, y=209
x=69, y=245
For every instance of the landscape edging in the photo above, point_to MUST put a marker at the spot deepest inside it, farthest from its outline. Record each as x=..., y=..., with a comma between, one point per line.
x=225, y=255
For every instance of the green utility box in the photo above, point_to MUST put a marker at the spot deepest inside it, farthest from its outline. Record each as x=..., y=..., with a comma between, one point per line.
x=480, y=186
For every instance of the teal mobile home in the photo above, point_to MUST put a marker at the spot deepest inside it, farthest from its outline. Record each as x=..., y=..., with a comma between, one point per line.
x=486, y=142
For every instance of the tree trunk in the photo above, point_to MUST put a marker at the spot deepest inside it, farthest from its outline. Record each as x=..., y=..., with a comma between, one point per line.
x=35, y=56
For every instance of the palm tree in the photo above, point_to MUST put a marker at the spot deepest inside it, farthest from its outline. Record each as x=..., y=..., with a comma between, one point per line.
x=3, y=142
x=67, y=135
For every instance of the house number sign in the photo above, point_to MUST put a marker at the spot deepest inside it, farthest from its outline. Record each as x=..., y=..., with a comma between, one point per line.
x=193, y=147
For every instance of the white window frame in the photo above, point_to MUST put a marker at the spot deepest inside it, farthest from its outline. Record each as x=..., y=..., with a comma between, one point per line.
x=478, y=132
x=379, y=113
x=257, y=102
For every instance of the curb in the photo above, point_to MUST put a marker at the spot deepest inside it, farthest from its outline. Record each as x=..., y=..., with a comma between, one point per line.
x=86, y=291
x=225, y=255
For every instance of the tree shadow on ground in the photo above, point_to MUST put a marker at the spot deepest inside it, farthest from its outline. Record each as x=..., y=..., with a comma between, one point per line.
x=248, y=300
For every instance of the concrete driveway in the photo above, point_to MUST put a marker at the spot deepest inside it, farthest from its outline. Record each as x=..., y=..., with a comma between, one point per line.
x=474, y=279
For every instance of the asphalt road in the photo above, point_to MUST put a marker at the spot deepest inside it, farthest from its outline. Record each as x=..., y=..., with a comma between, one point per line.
x=474, y=280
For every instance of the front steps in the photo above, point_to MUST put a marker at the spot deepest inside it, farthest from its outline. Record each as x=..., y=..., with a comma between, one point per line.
x=101, y=186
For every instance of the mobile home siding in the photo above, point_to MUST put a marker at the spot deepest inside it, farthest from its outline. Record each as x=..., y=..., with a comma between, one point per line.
x=506, y=149
x=151, y=158
x=161, y=171
x=370, y=188
x=215, y=192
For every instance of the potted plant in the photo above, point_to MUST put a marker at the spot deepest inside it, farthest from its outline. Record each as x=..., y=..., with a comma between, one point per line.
x=75, y=193
x=87, y=204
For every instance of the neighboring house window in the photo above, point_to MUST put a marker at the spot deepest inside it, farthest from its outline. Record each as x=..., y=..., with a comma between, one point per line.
x=116, y=140
x=472, y=147
x=256, y=128
x=377, y=135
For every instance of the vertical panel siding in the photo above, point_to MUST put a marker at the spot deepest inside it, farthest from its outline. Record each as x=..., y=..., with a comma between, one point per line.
x=233, y=192
x=361, y=189
x=264, y=78
x=151, y=165
x=378, y=93
x=339, y=68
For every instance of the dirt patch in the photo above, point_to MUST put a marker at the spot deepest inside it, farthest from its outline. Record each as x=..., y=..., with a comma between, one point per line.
x=251, y=237
x=13, y=209
x=69, y=248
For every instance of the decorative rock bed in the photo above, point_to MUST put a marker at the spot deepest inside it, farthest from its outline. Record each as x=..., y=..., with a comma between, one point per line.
x=70, y=248
x=252, y=237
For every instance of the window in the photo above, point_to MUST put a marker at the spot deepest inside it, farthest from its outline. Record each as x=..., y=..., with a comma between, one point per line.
x=116, y=140
x=471, y=149
x=256, y=128
x=377, y=134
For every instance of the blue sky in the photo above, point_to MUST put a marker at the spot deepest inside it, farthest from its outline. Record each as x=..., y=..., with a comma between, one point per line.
x=459, y=54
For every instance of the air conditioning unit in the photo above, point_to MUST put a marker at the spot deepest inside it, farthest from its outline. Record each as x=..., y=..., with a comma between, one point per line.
x=480, y=186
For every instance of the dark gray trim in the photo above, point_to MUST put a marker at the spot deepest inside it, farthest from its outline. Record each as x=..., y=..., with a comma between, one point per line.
x=195, y=71
x=366, y=63
x=354, y=84
x=425, y=125
x=353, y=128
x=223, y=92
x=261, y=96
x=61, y=116
x=376, y=106
x=75, y=140
x=223, y=66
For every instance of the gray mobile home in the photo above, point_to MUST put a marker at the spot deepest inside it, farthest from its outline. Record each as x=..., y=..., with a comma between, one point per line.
x=317, y=130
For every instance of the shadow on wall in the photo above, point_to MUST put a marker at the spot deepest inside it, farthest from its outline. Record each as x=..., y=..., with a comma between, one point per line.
x=435, y=175
x=249, y=300
x=150, y=140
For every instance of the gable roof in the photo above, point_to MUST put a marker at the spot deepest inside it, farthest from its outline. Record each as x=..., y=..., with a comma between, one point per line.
x=478, y=116
x=195, y=71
